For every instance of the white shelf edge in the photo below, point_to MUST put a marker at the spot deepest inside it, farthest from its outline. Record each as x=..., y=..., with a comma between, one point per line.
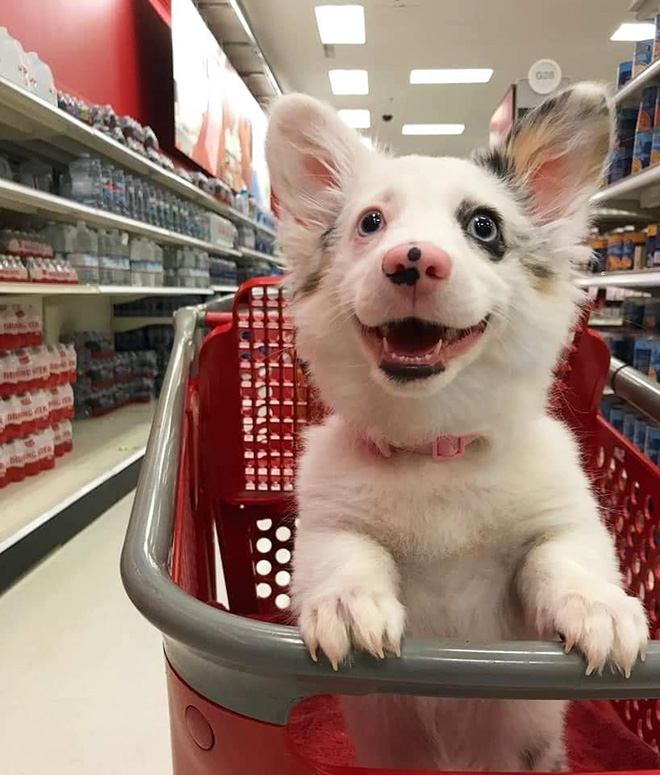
x=630, y=187
x=226, y=251
x=53, y=289
x=19, y=198
x=224, y=288
x=649, y=76
x=46, y=516
x=250, y=253
x=157, y=290
x=47, y=289
x=644, y=278
x=606, y=322
x=52, y=118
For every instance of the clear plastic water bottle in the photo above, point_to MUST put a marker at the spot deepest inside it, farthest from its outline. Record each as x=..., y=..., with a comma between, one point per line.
x=85, y=182
x=119, y=187
x=131, y=205
x=140, y=201
x=87, y=240
x=107, y=188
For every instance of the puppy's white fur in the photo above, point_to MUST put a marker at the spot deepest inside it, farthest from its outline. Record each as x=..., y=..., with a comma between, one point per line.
x=505, y=543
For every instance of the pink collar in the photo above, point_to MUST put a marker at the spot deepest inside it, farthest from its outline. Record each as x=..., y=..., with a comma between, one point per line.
x=442, y=448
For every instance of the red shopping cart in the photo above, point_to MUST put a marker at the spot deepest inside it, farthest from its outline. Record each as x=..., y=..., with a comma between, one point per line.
x=218, y=477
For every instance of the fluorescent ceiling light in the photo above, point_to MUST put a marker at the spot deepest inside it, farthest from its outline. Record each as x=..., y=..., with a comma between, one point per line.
x=357, y=118
x=340, y=24
x=349, y=81
x=433, y=129
x=634, y=31
x=368, y=142
x=452, y=75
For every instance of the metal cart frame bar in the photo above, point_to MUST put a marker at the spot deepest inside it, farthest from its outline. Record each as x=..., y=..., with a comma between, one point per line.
x=261, y=670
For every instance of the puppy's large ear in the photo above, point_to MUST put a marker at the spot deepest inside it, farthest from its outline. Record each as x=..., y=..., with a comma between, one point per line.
x=559, y=151
x=312, y=156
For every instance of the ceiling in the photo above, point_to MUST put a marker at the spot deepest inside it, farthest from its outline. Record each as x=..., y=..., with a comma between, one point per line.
x=242, y=52
x=507, y=35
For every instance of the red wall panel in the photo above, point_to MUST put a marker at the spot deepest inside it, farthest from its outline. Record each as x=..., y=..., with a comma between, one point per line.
x=91, y=46
x=105, y=51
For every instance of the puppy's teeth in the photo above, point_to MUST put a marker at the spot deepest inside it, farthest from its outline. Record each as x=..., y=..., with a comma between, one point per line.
x=386, y=346
x=437, y=348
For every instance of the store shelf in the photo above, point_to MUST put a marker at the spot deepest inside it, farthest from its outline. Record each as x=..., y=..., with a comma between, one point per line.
x=249, y=253
x=157, y=290
x=54, y=289
x=631, y=92
x=32, y=119
x=224, y=288
x=646, y=278
x=604, y=322
x=604, y=216
x=643, y=9
x=629, y=188
x=46, y=289
x=21, y=199
x=103, y=448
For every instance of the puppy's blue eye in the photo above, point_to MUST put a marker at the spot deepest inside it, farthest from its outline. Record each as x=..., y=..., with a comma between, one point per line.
x=483, y=228
x=370, y=222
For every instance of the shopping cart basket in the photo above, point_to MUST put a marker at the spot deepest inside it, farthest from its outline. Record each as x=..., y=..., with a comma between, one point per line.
x=219, y=474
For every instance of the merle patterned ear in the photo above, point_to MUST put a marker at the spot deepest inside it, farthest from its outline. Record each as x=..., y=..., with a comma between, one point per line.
x=559, y=151
x=312, y=155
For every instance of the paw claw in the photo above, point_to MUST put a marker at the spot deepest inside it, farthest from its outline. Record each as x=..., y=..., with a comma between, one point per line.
x=607, y=626
x=367, y=621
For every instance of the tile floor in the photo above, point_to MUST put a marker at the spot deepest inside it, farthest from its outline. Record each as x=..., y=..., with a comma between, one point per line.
x=100, y=445
x=82, y=688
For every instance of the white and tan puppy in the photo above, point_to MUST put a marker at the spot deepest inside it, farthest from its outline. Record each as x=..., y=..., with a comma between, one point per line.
x=432, y=300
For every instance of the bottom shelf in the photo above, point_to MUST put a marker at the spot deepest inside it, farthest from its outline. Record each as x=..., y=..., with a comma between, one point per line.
x=102, y=448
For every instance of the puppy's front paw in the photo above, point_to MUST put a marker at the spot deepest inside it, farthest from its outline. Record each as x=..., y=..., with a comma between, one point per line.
x=608, y=627
x=370, y=622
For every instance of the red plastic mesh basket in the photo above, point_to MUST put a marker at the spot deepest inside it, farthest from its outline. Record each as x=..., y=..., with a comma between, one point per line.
x=246, y=409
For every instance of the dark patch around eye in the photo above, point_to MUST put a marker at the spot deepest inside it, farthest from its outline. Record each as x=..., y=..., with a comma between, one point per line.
x=465, y=211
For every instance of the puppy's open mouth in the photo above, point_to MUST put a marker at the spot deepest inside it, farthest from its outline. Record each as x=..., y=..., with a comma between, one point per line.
x=412, y=348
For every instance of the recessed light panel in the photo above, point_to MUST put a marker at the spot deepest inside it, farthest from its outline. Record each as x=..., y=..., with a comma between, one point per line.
x=452, y=75
x=345, y=82
x=341, y=24
x=358, y=118
x=433, y=129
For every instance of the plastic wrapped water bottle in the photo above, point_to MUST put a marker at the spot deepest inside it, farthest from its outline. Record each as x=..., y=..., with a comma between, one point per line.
x=107, y=188
x=85, y=180
x=119, y=190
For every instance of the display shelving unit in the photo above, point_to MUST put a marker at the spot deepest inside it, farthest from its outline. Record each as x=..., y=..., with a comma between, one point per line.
x=37, y=514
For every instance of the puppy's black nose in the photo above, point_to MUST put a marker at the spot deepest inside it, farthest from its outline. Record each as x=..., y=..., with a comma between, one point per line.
x=414, y=254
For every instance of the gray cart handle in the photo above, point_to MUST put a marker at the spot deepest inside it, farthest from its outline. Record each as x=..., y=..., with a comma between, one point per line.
x=235, y=659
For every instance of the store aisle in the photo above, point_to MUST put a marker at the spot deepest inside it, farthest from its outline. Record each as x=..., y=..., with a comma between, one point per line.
x=82, y=687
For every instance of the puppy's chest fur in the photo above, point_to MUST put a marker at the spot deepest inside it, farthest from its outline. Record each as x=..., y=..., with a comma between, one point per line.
x=456, y=557
x=458, y=535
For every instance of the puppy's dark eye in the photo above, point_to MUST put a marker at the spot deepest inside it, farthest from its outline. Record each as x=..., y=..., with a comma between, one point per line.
x=370, y=222
x=483, y=228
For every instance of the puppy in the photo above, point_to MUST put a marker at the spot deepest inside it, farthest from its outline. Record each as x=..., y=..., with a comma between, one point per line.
x=432, y=300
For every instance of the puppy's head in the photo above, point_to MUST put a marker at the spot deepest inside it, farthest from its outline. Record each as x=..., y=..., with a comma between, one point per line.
x=431, y=293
